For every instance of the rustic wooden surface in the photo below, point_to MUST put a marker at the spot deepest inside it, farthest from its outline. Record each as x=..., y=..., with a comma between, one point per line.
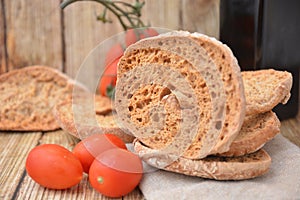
x=34, y=31
x=2, y=41
x=205, y=20
x=41, y=33
x=83, y=33
x=165, y=14
x=16, y=184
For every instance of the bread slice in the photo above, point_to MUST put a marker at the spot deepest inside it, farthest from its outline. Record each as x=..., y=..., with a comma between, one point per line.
x=257, y=130
x=211, y=167
x=28, y=96
x=264, y=89
x=103, y=105
x=85, y=124
x=212, y=104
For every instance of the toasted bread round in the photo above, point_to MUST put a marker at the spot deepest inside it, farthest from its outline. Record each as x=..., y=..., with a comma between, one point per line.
x=202, y=74
x=256, y=131
x=264, y=89
x=85, y=124
x=28, y=96
x=103, y=105
x=212, y=167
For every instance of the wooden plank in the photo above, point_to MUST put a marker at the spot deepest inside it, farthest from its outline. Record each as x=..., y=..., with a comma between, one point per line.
x=14, y=148
x=134, y=195
x=291, y=130
x=201, y=16
x=162, y=14
x=59, y=137
x=31, y=190
x=2, y=40
x=83, y=33
x=33, y=33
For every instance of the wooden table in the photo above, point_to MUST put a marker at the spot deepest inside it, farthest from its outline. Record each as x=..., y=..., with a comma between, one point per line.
x=16, y=184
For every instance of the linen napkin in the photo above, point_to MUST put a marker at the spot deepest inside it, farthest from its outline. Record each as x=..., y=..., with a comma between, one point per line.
x=281, y=182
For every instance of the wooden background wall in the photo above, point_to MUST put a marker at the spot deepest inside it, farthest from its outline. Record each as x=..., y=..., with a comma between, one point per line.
x=38, y=32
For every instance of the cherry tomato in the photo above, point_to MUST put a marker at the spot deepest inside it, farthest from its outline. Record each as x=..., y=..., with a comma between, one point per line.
x=134, y=35
x=109, y=76
x=149, y=32
x=114, y=53
x=109, y=79
x=116, y=172
x=131, y=37
x=89, y=148
x=53, y=166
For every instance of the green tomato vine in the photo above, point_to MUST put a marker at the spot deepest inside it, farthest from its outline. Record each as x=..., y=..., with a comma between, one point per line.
x=129, y=15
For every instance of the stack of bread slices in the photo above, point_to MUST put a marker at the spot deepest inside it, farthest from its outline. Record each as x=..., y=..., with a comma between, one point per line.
x=193, y=111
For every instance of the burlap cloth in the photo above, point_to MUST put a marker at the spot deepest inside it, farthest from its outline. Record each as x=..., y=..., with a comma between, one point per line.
x=281, y=182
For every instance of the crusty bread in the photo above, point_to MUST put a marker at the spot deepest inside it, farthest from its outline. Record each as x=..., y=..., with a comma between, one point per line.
x=213, y=75
x=211, y=167
x=257, y=130
x=103, y=105
x=264, y=89
x=82, y=126
x=28, y=96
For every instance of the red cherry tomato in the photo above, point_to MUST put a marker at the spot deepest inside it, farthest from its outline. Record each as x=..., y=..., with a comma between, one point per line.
x=109, y=76
x=53, y=166
x=131, y=37
x=109, y=79
x=89, y=148
x=149, y=32
x=116, y=172
x=134, y=35
x=113, y=54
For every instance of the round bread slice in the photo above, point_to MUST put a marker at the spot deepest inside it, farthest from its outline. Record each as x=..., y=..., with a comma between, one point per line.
x=256, y=131
x=212, y=167
x=264, y=89
x=84, y=126
x=202, y=74
x=28, y=96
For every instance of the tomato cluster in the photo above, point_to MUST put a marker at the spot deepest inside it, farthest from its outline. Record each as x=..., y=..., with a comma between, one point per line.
x=113, y=170
x=109, y=77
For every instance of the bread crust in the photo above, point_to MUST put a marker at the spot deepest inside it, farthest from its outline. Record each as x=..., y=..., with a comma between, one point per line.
x=212, y=167
x=264, y=89
x=105, y=122
x=256, y=131
x=28, y=96
x=235, y=98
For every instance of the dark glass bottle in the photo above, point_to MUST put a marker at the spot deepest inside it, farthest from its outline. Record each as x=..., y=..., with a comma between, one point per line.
x=265, y=34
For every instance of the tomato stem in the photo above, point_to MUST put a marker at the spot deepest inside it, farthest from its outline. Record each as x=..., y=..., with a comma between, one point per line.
x=127, y=14
x=110, y=91
x=100, y=179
